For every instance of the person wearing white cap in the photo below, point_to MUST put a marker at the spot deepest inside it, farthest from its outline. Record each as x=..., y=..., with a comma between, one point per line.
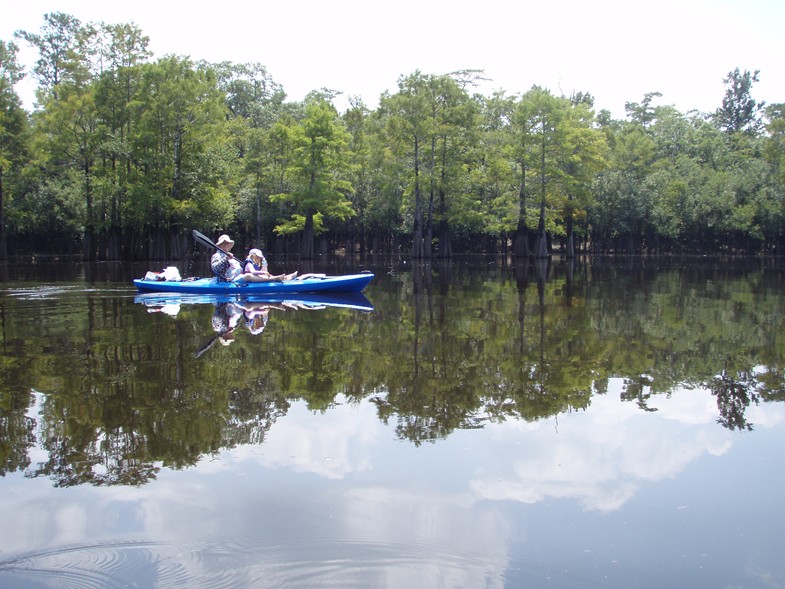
x=255, y=263
x=256, y=319
x=223, y=264
x=255, y=269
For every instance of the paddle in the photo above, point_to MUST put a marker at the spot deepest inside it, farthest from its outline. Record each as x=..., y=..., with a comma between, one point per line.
x=207, y=242
x=210, y=343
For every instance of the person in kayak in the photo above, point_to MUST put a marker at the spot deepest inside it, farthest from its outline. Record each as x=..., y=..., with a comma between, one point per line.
x=255, y=263
x=223, y=264
x=255, y=269
x=226, y=318
x=256, y=319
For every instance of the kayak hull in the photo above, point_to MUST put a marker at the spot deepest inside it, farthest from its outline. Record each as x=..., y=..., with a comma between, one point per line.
x=344, y=283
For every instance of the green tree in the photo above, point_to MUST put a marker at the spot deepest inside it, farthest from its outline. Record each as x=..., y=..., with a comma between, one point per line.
x=66, y=129
x=407, y=124
x=386, y=214
x=739, y=111
x=622, y=211
x=523, y=157
x=13, y=132
x=251, y=92
x=583, y=150
x=181, y=154
x=643, y=113
x=269, y=153
x=124, y=49
x=58, y=58
x=774, y=153
x=545, y=114
x=452, y=133
x=492, y=176
x=774, y=149
x=255, y=104
x=318, y=174
x=358, y=125
x=69, y=128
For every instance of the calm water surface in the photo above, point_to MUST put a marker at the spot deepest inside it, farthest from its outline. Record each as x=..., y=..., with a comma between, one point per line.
x=603, y=424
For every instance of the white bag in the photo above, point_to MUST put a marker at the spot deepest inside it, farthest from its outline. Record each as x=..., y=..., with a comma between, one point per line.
x=172, y=274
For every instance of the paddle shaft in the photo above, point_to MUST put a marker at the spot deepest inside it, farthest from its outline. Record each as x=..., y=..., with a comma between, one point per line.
x=210, y=343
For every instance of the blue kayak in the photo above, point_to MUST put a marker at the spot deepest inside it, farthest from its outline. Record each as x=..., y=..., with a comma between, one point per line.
x=318, y=283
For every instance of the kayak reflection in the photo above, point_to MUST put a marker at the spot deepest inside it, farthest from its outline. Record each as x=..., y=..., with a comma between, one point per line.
x=232, y=313
x=170, y=302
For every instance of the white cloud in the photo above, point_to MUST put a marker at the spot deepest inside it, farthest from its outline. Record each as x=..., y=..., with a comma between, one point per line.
x=600, y=458
x=339, y=442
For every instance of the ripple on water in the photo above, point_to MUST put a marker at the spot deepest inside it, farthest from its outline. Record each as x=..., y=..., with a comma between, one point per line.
x=339, y=563
x=101, y=566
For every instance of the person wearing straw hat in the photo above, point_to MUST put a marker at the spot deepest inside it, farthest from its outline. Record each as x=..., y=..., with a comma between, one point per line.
x=223, y=264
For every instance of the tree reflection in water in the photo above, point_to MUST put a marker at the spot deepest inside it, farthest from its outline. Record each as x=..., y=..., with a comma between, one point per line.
x=110, y=394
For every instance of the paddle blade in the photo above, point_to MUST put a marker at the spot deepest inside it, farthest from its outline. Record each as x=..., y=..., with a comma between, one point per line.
x=204, y=240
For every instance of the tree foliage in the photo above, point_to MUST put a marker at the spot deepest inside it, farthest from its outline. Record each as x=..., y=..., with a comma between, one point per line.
x=152, y=148
x=318, y=174
x=739, y=110
x=14, y=148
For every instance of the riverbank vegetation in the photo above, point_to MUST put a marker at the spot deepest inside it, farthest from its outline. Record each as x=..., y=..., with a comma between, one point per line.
x=124, y=154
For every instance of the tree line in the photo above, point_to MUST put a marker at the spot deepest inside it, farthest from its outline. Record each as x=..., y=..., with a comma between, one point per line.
x=123, y=155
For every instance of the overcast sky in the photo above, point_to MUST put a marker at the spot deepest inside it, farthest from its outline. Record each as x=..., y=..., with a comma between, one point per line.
x=617, y=51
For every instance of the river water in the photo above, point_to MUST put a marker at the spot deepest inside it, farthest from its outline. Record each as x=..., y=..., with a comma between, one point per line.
x=606, y=423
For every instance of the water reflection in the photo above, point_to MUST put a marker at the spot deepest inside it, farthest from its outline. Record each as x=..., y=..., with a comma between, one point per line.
x=496, y=426
x=335, y=501
x=125, y=391
x=232, y=312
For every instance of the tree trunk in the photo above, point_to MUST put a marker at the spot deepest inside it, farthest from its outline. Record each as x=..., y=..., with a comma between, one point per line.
x=520, y=240
x=175, y=249
x=306, y=247
x=417, y=242
x=113, y=249
x=445, y=240
x=88, y=244
x=541, y=248
x=427, y=242
x=3, y=250
x=258, y=227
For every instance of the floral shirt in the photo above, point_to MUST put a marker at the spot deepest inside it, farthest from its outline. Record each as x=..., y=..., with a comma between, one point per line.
x=224, y=267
